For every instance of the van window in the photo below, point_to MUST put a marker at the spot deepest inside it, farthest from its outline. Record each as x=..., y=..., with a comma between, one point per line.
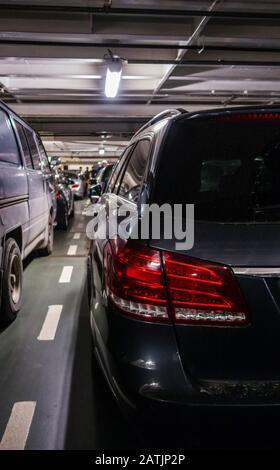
x=33, y=149
x=8, y=146
x=24, y=145
x=134, y=173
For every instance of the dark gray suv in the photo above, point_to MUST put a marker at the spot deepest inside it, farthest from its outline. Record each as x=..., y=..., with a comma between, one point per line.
x=199, y=327
x=27, y=205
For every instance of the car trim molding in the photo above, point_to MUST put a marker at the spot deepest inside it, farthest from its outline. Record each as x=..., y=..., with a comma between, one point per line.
x=10, y=201
x=266, y=272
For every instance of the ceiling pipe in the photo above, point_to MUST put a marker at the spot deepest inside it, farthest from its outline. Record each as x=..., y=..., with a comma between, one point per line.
x=141, y=11
x=118, y=45
x=210, y=63
x=182, y=51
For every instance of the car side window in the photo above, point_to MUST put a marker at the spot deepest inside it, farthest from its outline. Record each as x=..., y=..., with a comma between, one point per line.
x=33, y=149
x=134, y=172
x=44, y=159
x=113, y=184
x=24, y=145
x=9, y=151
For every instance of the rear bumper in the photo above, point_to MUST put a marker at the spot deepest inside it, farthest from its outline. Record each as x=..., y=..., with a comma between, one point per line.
x=142, y=365
x=78, y=192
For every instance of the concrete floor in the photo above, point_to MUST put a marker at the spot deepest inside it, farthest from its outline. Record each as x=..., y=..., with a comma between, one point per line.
x=57, y=375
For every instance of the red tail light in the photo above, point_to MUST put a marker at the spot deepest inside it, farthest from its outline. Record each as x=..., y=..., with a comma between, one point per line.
x=76, y=185
x=154, y=286
x=249, y=117
x=135, y=282
x=203, y=292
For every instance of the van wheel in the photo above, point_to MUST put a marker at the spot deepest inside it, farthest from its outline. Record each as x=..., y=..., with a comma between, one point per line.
x=47, y=250
x=12, y=281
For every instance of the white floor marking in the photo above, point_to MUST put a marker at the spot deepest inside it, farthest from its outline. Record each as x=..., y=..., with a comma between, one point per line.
x=77, y=236
x=50, y=324
x=66, y=274
x=72, y=250
x=18, y=426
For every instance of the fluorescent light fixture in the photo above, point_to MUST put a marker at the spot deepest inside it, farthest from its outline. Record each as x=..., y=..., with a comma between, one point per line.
x=140, y=77
x=92, y=77
x=113, y=77
x=101, y=151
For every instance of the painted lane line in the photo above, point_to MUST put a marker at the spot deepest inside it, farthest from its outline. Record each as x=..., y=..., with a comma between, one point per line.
x=50, y=324
x=72, y=250
x=77, y=236
x=66, y=274
x=18, y=426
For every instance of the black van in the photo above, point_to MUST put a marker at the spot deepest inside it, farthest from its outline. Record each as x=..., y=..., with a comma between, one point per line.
x=27, y=205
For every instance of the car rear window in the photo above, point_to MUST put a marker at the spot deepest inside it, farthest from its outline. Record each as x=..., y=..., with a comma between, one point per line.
x=228, y=167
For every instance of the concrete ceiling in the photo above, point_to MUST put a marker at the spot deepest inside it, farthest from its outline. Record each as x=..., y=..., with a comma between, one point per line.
x=192, y=54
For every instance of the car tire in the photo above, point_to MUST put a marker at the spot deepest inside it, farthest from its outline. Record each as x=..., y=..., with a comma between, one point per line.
x=72, y=213
x=63, y=224
x=12, y=282
x=47, y=250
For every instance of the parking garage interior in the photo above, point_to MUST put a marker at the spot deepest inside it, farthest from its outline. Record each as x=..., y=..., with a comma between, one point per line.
x=195, y=55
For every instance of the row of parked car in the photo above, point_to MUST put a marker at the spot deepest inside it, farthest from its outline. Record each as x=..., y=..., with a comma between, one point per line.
x=172, y=330
x=34, y=198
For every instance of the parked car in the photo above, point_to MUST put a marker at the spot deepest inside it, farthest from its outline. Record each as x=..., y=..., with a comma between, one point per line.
x=77, y=183
x=98, y=185
x=182, y=330
x=65, y=202
x=27, y=205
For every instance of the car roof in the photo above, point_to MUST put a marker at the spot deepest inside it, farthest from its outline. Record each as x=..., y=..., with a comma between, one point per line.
x=19, y=118
x=233, y=110
x=180, y=114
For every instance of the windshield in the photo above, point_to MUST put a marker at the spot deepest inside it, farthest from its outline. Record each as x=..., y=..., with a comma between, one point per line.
x=228, y=167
